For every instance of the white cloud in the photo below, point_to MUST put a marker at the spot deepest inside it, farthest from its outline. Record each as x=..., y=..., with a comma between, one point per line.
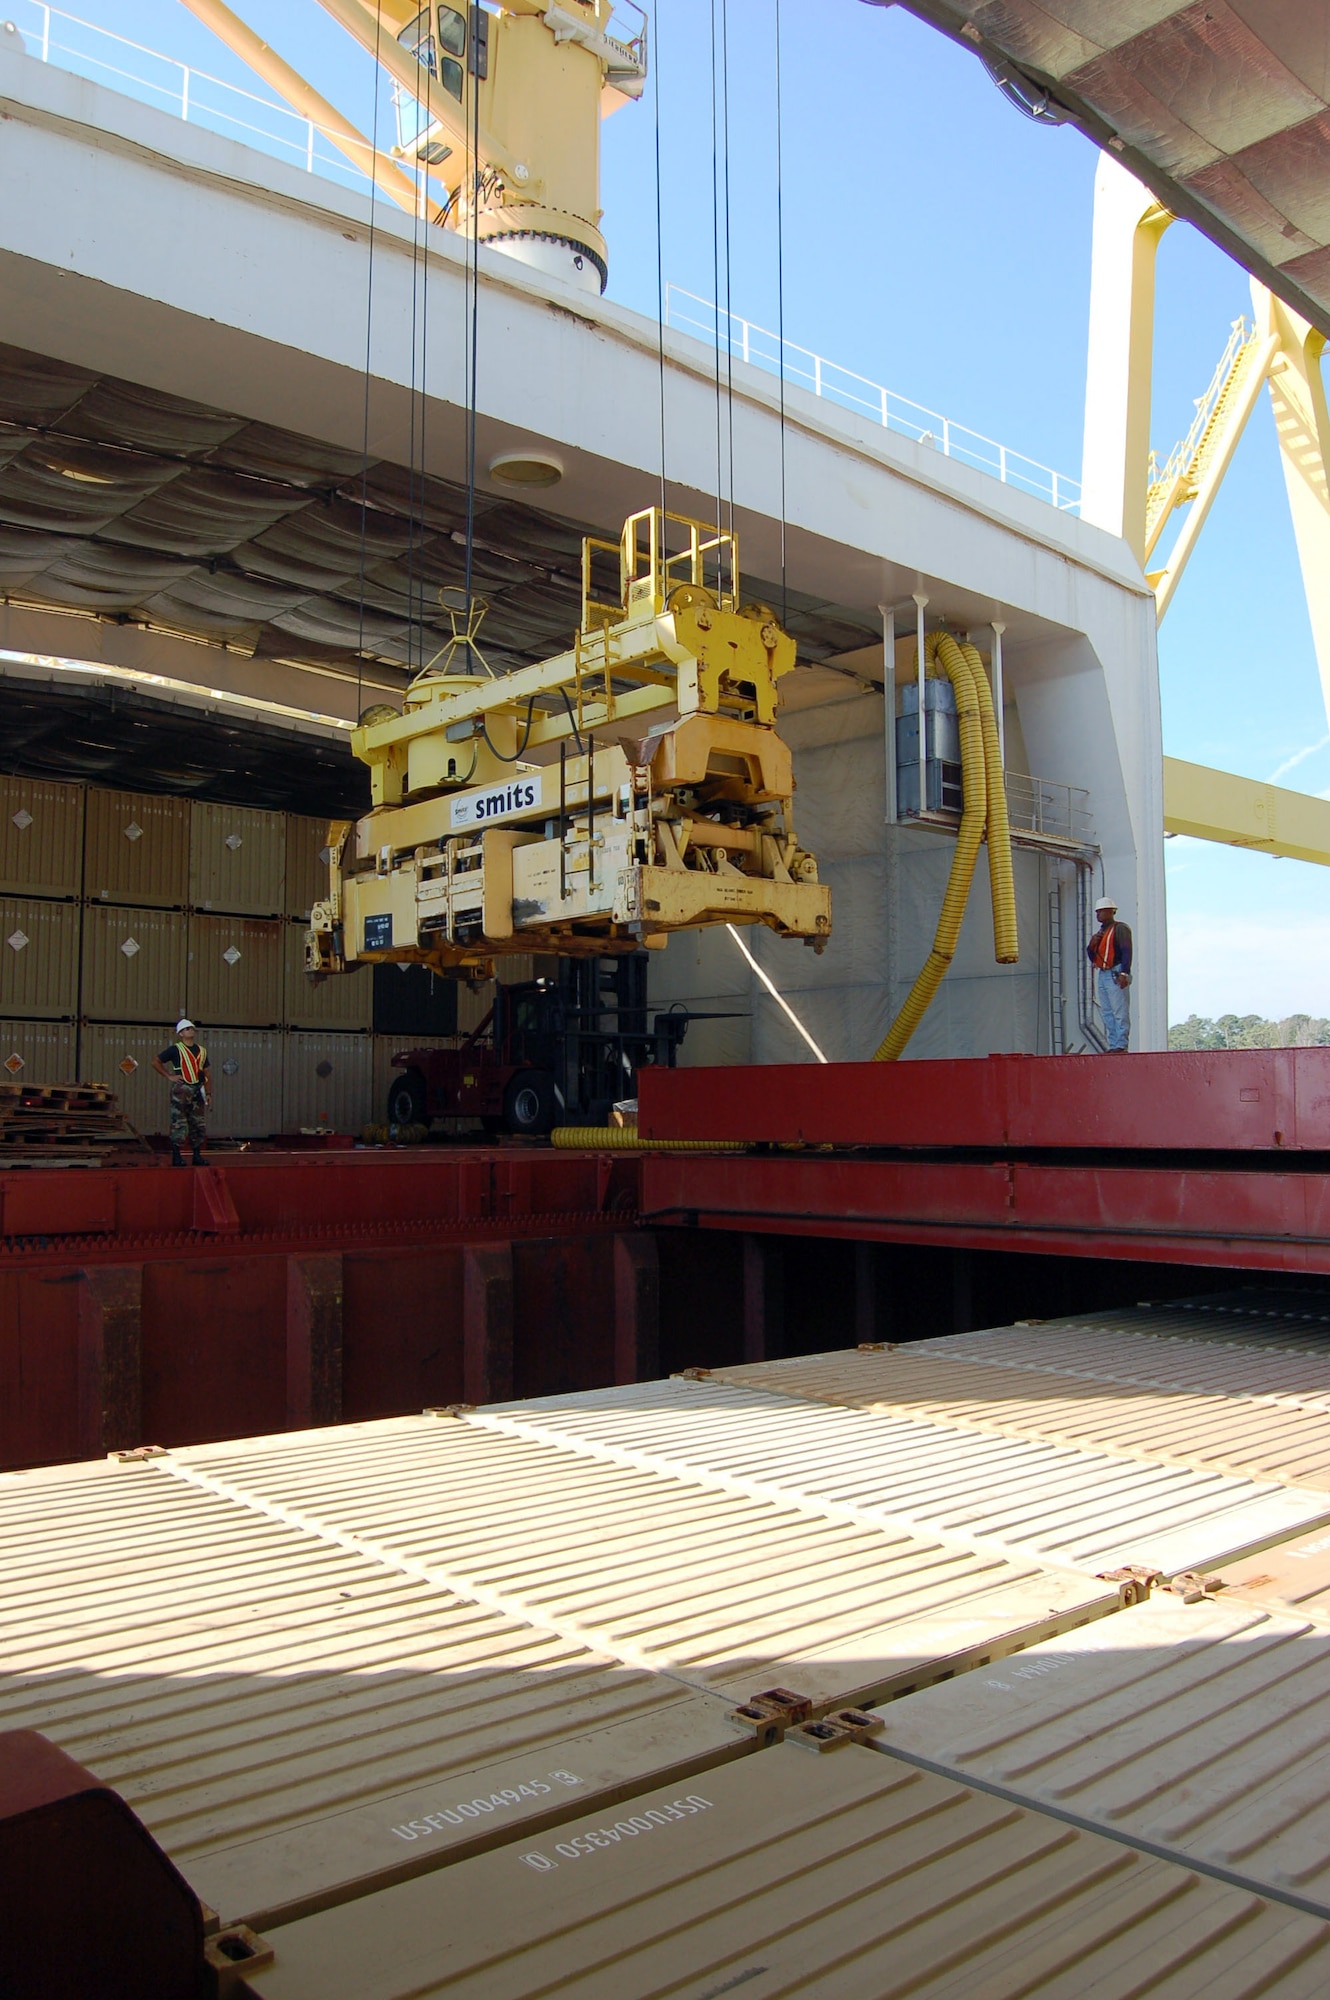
x=1298, y=757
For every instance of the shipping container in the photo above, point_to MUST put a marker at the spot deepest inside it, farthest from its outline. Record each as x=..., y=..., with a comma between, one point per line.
x=729, y=1594
x=245, y=1063
x=341, y=1000
x=474, y=1002
x=234, y=973
x=39, y=958
x=414, y=1000
x=133, y=965
x=1042, y=1502
x=1293, y=1319
x=237, y=860
x=247, y=1066
x=328, y=1082
x=121, y=1056
x=41, y=837
x=136, y=849
x=296, y=1722
x=1255, y=1412
x=1202, y=1730
x=37, y=1052
x=306, y=864
x=1295, y=1576
x=846, y=1876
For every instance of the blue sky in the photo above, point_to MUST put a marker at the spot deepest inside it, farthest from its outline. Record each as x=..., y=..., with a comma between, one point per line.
x=936, y=241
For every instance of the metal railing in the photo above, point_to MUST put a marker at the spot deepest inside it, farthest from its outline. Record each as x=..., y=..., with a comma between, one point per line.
x=803, y=369
x=194, y=95
x=1049, y=809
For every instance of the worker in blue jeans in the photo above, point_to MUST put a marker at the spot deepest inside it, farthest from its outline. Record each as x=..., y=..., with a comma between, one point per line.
x=1109, y=952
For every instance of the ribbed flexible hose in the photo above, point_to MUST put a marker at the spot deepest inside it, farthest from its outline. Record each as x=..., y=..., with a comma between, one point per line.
x=624, y=1139
x=974, y=780
x=1001, y=879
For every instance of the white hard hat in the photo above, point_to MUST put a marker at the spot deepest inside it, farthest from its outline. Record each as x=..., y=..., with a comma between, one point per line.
x=1105, y=903
x=181, y=1026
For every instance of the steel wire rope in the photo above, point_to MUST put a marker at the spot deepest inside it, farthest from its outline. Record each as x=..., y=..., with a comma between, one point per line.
x=780, y=322
x=473, y=324
x=369, y=328
x=660, y=273
x=729, y=302
x=415, y=608
x=715, y=256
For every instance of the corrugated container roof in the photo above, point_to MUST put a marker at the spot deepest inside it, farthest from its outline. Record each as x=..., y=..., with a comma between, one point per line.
x=1299, y=1321
x=1200, y=1730
x=849, y=1877
x=296, y=1721
x=1294, y=1577
x=1254, y=1412
x=727, y=1592
x=1033, y=1501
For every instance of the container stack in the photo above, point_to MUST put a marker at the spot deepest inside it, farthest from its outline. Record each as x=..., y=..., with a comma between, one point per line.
x=121, y=911
x=710, y=1685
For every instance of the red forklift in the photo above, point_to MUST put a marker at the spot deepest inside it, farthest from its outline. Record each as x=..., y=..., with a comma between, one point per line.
x=560, y=1051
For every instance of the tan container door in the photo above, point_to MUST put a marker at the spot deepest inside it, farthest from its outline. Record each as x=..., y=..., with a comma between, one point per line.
x=41, y=837
x=237, y=859
x=246, y=1066
x=39, y=957
x=137, y=850
x=234, y=975
x=846, y=1876
x=328, y=1082
x=37, y=1052
x=121, y=1057
x=342, y=1000
x=306, y=864
x=133, y=965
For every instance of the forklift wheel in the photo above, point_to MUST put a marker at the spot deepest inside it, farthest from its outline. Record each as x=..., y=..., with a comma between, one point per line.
x=529, y=1102
x=407, y=1100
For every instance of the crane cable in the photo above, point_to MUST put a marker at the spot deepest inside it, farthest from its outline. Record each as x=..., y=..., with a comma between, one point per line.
x=369, y=328
x=780, y=320
x=660, y=259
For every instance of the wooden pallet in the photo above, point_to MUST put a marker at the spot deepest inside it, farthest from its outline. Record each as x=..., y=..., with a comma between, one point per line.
x=56, y=1097
x=61, y=1124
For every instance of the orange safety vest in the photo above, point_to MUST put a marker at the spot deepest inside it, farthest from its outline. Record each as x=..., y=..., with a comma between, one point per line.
x=193, y=1062
x=1105, y=948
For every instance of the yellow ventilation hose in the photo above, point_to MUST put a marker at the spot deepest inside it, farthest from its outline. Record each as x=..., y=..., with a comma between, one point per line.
x=1002, y=881
x=624, y=1139
x=984, y=798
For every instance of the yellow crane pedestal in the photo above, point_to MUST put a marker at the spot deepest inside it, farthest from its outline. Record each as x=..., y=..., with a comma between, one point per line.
x=632, y=786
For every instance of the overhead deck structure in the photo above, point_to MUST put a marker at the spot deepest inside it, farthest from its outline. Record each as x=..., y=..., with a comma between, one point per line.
x=1219, y=109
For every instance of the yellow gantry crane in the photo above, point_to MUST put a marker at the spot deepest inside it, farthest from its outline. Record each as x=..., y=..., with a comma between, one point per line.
x=1124, y=490
x=498, y=110
x=632, y=786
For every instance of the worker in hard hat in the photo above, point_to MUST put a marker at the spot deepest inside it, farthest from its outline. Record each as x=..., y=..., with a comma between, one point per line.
x=185, y=1067
x=1109, y=952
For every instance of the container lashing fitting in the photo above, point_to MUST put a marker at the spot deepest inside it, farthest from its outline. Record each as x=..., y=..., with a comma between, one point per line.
x=838, y=1726
x=1135, y=1581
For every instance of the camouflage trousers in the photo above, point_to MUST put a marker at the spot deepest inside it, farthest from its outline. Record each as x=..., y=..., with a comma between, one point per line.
x=187, y=1124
